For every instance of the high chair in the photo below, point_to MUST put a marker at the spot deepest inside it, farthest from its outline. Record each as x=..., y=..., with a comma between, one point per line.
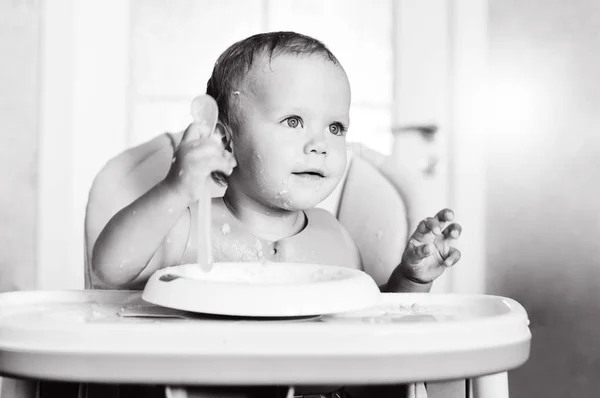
x=374, y=202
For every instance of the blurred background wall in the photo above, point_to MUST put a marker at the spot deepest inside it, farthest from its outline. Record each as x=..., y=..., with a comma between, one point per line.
x=543, y=168
x=19, y=121
x=80, y=81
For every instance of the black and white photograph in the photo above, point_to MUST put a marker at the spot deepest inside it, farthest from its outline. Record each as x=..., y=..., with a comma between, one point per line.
x=299, y=198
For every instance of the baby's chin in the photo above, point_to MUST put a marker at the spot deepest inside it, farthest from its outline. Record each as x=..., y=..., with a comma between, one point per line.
x=301, y=201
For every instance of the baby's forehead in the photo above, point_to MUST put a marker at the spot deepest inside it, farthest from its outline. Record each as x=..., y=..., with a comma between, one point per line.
x=266, y=68
x=257, y=71
x=299, y=81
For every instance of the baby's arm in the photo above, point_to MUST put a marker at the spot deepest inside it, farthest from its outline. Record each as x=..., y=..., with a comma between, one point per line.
x=135, y=234
x=123, y=252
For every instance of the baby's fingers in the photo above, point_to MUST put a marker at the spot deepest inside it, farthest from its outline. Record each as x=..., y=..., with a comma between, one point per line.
x=416, y=253
x=434, y=225
x=224, y=164
x=445, y=215
x=437, y=223
x=194, y=132
x=453, y=257
x=453, y=231
x=425, y=227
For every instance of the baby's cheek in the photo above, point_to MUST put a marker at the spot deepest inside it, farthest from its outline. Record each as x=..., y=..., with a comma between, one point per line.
x=283, y=197
x=255, y=169
x=287, y=152
x=336, y=175
x=336, y=161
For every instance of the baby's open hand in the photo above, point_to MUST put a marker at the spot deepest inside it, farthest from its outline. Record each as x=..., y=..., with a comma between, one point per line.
x=196, y=157
x=429, y=250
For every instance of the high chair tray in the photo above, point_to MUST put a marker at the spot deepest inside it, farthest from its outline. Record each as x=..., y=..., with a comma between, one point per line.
x=115, y=337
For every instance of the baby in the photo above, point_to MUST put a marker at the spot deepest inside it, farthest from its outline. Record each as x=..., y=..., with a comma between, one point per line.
x=280, y=149
x=284, y=104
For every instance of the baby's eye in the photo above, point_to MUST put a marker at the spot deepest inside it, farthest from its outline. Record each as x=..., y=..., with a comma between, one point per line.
x=293, y=121
x=337, y=129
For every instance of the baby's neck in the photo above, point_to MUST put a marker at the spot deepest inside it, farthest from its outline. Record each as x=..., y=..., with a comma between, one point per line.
x=266, y=223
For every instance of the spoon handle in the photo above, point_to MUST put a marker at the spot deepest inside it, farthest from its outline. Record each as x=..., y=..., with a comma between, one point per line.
x=204, y=114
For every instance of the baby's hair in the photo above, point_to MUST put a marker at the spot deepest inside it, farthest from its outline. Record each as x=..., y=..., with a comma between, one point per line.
x=235, y=62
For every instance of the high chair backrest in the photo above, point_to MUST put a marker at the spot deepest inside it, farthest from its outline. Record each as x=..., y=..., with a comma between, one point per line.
x=368, y=203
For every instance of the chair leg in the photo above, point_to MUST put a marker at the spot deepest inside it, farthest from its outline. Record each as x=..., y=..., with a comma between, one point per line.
x=228, y=392
x=448, y=389
x=175, y=392
x=17, y=388
x=416, y=390
x=491, y=386
x=291, y=391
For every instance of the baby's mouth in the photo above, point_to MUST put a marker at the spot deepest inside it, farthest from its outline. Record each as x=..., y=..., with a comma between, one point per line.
x=312, y=174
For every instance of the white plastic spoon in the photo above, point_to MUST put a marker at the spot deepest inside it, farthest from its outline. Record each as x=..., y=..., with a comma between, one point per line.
x=204, y=114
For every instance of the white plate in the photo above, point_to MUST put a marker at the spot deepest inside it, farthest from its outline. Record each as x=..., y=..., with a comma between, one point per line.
x=262, y=289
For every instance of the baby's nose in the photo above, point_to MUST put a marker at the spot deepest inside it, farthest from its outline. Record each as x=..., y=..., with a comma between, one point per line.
x=316, y=143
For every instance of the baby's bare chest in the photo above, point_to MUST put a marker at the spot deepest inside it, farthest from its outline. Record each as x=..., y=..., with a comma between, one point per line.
x=232, y=243
x=321, y=242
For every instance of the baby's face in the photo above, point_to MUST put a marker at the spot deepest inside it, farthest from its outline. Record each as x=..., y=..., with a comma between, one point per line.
x=291, y=148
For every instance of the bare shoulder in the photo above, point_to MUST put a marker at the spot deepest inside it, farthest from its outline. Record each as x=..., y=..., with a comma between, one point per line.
x=321, y=214
x=323, y=221
x=329, y=230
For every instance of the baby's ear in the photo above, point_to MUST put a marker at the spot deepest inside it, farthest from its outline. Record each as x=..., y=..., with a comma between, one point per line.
x=225, y=133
